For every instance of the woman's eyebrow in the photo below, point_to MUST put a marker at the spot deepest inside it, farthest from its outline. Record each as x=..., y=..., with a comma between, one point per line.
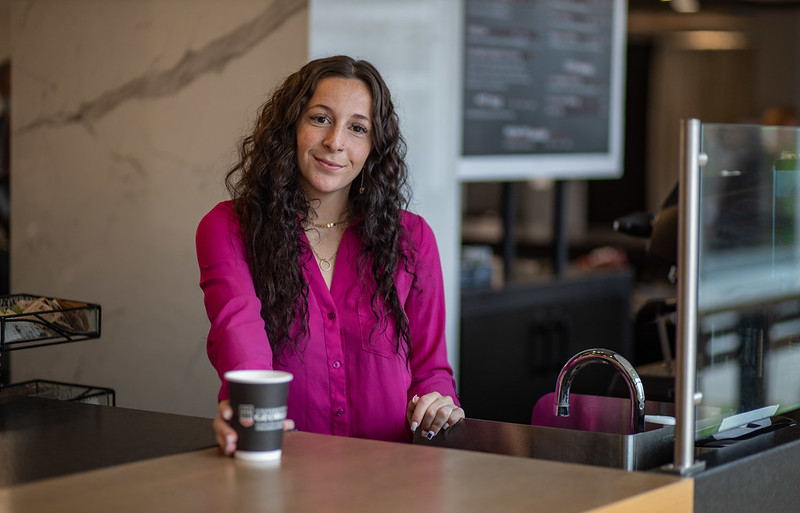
x=319, y=106
x=325, y=107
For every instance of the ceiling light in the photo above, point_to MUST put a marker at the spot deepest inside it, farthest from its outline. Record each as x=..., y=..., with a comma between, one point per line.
x=685, y=6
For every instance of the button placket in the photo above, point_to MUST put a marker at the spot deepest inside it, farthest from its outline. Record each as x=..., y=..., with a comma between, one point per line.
x=338, y=384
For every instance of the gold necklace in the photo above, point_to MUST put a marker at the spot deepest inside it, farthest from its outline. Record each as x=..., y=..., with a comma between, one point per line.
x=343, y=220
x=325, y=264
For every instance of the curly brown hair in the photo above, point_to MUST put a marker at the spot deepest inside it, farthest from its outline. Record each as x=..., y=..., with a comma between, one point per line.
x=271, y=207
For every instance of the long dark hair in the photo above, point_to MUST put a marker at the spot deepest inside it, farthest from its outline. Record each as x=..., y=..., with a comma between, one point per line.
x=272, y=208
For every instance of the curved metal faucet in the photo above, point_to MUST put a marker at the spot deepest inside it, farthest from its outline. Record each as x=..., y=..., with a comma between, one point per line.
x=623, y=366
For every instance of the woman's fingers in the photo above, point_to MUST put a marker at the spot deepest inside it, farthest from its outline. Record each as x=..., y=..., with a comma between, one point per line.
x=432, y=413
x=412, y=404
x=445, y=414
x=456, y=416
x=225, y=434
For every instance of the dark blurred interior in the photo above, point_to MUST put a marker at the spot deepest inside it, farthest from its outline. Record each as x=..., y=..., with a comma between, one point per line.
x=569, y=280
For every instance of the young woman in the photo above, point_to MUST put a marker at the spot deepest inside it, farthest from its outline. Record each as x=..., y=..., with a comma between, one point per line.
x=314, y=266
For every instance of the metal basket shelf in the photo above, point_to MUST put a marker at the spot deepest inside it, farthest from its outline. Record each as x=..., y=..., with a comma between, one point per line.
x=62, y=391
x=73, y=321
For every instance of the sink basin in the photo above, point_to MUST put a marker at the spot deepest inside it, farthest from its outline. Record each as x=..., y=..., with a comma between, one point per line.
x=595, y=433
x=599, y=413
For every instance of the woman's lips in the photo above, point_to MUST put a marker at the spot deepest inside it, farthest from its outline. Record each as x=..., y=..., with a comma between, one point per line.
x=327, y=164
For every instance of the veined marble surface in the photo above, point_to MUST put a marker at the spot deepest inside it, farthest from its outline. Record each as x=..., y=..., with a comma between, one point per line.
x=125, y=117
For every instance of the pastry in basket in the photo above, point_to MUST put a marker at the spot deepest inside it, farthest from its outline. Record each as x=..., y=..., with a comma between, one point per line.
x=60, y=313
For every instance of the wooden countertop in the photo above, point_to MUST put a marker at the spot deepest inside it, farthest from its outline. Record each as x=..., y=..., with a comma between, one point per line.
x=336, y=474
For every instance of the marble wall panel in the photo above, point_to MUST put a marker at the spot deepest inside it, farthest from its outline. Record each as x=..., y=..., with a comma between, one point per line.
x=5, y=32
x=126, y=116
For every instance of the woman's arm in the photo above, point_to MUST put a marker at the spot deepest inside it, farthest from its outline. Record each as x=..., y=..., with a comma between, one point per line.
x=433, y=403
x=237, y=339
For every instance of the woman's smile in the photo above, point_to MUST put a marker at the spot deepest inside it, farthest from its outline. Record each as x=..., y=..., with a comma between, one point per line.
x=328, y=164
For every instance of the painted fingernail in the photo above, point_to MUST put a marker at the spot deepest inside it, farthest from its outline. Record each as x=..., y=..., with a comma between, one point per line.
x=414, y=426
x=227, y=414
x=446, y=425
x=430, y=435
x=415, y=399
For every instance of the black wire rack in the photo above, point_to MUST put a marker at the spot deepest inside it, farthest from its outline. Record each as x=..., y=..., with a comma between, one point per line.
x=55, y=321
x=47, y=389
x=70, y=322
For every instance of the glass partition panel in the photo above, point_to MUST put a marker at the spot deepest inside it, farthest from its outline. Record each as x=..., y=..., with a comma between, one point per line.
x=748, y=292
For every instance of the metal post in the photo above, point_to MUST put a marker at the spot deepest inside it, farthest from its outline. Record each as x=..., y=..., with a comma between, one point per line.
x=688, y=273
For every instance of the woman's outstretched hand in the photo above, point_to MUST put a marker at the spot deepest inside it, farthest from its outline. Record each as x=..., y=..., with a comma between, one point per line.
x=226, y=435
x=432, y=412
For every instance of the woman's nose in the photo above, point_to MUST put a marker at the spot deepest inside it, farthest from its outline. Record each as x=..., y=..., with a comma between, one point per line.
x=334, y=140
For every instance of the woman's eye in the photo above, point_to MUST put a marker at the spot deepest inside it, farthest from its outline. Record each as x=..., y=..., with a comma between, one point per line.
x=319, y=118
x=360, y=129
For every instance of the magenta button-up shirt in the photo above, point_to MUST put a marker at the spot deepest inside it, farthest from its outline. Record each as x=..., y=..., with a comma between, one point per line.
x=348, y=380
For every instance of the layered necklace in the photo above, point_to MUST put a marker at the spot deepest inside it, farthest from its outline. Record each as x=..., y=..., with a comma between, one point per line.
x=326, y=264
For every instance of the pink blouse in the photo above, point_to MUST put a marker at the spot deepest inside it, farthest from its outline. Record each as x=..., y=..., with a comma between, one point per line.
x=348, y=379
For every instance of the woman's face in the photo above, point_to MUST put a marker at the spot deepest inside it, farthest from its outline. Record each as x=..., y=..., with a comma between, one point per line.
x=334, y=137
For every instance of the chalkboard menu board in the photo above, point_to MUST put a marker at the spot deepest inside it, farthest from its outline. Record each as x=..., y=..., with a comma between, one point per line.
x=542, y=89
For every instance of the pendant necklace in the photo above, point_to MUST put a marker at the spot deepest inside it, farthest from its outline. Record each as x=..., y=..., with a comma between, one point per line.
x=325, y=264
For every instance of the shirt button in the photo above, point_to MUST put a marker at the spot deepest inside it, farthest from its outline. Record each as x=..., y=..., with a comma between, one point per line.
x=340, y=412
x=331, y=315
x=336, y=365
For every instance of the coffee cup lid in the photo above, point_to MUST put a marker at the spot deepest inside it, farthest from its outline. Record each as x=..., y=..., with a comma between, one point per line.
x=255, y=376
